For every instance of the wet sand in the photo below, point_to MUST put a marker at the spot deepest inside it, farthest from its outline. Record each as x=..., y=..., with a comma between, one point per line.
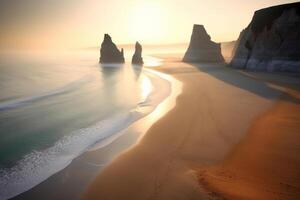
x=181, y=154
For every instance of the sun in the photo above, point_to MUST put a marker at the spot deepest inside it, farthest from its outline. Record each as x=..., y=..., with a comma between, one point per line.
x=147, y=22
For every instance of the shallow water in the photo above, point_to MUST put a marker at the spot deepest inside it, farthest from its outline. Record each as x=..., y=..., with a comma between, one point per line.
x=42, y=101
x=56, y=106
x=52, y=109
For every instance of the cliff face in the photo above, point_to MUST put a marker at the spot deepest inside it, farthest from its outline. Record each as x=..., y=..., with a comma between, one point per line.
x=137, y=56
x=201, y=48
x=271, y=42
x=109, y=53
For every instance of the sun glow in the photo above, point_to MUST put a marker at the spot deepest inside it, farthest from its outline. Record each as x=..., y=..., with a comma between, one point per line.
x=146, y=87
x=147, y=22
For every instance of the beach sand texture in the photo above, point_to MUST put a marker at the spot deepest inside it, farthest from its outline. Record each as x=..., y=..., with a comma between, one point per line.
x=265, y=165
x=182, y=155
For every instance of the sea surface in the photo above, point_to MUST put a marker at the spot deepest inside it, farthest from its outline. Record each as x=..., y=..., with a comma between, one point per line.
x=56, y=106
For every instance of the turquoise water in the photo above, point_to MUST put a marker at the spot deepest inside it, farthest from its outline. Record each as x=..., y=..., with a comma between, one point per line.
x=54, y=108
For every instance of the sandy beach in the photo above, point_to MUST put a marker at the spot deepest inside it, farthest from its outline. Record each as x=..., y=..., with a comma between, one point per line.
x=213, y=131
x=265, y=165
x=150, y=100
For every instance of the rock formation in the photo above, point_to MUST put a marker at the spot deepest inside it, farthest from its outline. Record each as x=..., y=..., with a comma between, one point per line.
x=137, y=56
x=271, y=42
x=109, y=52
x=201, y=48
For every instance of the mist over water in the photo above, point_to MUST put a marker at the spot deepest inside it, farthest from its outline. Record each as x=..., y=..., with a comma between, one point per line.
x=54, y=107
x=42, y=101
x=47, y=102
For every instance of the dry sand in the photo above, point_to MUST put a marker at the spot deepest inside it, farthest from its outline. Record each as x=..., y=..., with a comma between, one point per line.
x=266, y=164
x=182, y=155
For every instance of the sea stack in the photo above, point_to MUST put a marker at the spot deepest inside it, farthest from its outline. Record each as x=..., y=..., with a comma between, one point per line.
x=201, y=48
x=109, y=53
x=137, y=58
x=271, y=42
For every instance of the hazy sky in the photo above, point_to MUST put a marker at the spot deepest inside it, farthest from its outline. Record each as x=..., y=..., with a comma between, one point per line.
x=82, y=23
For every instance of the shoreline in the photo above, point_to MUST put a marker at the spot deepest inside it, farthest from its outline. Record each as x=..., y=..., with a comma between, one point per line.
x=200, y=131
x=153, y=108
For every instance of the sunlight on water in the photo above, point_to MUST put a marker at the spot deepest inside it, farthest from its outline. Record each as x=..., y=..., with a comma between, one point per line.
x=70, y=104
x=163, y=107
x=146, y=87
x=166, y=88
x=152, y=62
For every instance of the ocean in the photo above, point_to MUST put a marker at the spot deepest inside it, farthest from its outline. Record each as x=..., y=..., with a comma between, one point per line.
x=56, y=106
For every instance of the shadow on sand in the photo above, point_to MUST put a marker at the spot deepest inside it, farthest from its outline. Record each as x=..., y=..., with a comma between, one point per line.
x=254, y=82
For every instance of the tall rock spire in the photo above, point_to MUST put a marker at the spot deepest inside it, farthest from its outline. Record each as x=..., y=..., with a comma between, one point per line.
x=109, y=53
x=201, y=48
x=137, y=57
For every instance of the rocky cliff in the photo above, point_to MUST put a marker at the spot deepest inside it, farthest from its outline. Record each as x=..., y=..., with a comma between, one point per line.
x=201, y=48
x=109, y=53
x=271, y=42
x=137, y=56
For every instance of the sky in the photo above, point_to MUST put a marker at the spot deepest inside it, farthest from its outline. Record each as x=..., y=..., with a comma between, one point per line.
x=82, y=23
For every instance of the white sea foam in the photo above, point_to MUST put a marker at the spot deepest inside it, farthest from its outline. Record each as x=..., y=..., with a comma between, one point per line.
x=27, y=100
x=39, y=165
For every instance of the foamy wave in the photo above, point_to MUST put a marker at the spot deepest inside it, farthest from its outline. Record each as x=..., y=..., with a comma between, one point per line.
x=27, y=100
x=39, y=165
